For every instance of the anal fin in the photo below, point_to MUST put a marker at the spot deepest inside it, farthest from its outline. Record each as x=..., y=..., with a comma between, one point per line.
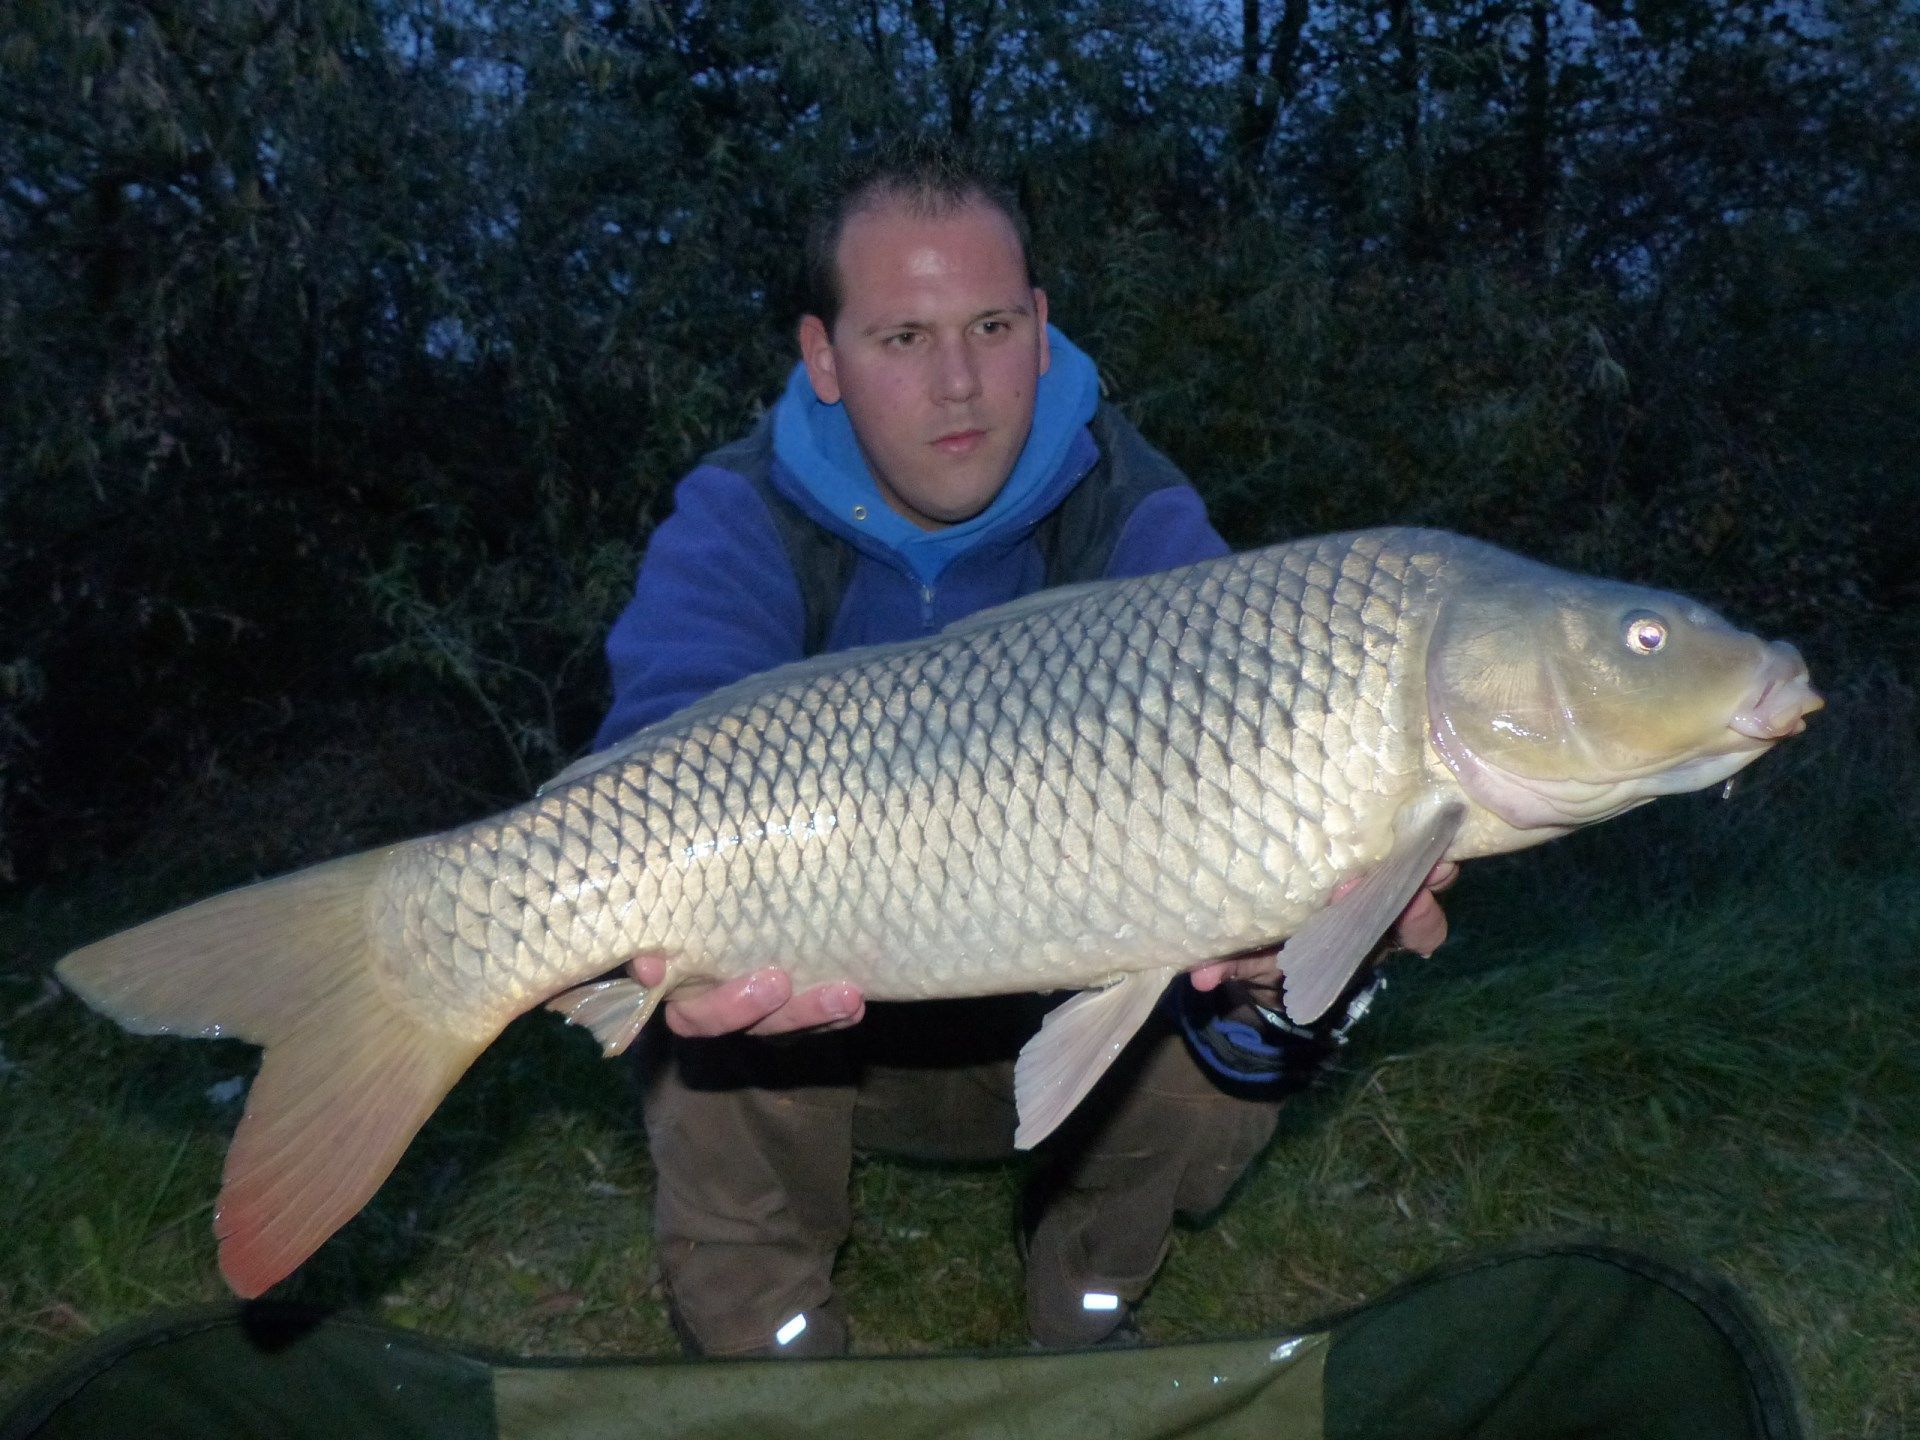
x=1076, y=1044
x=614, y=1010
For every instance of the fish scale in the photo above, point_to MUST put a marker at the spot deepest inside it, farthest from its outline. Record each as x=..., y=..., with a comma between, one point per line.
x=1137, y=773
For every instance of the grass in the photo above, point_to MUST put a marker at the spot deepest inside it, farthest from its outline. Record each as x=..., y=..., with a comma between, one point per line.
x=1690, y=1030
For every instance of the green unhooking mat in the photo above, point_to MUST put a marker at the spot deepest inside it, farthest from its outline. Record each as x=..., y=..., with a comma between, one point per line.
x=1567, y=1341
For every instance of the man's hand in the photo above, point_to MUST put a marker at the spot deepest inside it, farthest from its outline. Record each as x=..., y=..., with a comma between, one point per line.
x=1423, y=924
x=762, y=1003
x=1420, y=928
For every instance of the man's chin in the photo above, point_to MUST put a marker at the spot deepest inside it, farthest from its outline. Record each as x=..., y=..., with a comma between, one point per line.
x=955, y=496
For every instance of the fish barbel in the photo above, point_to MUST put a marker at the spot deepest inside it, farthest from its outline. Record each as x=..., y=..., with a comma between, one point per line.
x=1092, y=788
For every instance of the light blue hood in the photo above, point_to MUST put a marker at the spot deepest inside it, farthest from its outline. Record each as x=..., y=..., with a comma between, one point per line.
x=814, y=444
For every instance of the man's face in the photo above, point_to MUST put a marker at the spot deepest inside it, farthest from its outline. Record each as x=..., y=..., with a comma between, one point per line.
x=937, y=352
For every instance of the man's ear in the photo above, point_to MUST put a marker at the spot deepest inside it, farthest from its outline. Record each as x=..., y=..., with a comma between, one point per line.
x=1040, y=315
x=816, y=353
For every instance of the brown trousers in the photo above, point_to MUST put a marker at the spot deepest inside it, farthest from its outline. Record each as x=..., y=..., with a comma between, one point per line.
x=753, y=1142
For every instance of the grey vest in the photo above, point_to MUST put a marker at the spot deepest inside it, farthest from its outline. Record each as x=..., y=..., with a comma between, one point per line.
x=1076, y=538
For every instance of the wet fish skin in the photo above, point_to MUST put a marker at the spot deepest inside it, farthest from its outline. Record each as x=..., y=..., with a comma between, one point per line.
x=1096, y=787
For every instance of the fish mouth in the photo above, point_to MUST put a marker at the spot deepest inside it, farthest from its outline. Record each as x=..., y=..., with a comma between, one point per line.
x=1782, y=698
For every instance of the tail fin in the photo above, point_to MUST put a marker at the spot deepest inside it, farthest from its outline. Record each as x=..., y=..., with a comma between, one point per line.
x=347, y=1078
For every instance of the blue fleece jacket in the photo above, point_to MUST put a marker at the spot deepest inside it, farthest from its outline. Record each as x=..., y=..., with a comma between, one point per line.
x=716, y=599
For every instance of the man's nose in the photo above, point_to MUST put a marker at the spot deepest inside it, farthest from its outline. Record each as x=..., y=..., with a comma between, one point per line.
x=956, y=375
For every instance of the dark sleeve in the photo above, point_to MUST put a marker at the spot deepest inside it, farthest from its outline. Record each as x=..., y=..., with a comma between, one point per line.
x=1167, y=528
x=1242, y=1042
x=715, y=601
x=1235, y=1048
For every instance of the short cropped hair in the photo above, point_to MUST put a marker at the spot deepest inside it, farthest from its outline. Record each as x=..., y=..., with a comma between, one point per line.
x=932, y=178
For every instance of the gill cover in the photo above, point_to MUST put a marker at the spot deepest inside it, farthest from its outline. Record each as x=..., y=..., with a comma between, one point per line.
x=1558, y=700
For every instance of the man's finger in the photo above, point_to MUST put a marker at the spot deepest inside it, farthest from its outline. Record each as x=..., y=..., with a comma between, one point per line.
x=737, y=1004
x=833, y=1006
x=1209, y=976
x=1422, y=925
x=649, y=969
x=763, y=1003
x=1258, y=967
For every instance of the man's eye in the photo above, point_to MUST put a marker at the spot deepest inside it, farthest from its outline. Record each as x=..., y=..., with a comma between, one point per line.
x=993, y=327
x=902, y=340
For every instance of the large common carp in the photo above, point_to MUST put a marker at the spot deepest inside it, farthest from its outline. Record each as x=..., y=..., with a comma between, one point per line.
x=1092, y=788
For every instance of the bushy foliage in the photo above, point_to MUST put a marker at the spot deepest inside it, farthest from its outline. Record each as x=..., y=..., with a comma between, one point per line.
x=349, y=349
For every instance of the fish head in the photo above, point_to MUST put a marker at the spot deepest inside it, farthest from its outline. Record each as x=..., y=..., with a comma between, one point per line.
x=1559, y=700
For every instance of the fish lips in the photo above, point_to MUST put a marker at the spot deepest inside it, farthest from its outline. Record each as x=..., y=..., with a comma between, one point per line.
x=1782, y=698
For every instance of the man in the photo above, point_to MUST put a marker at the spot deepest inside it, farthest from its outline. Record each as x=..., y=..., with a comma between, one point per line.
x=938, y=450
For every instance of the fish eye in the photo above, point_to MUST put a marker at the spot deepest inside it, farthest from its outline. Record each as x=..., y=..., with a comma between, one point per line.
x=1645, y=633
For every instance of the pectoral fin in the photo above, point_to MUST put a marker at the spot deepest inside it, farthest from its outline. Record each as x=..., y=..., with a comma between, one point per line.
x=1076, y=1044
x=1321, y=956
x=614, y=1010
